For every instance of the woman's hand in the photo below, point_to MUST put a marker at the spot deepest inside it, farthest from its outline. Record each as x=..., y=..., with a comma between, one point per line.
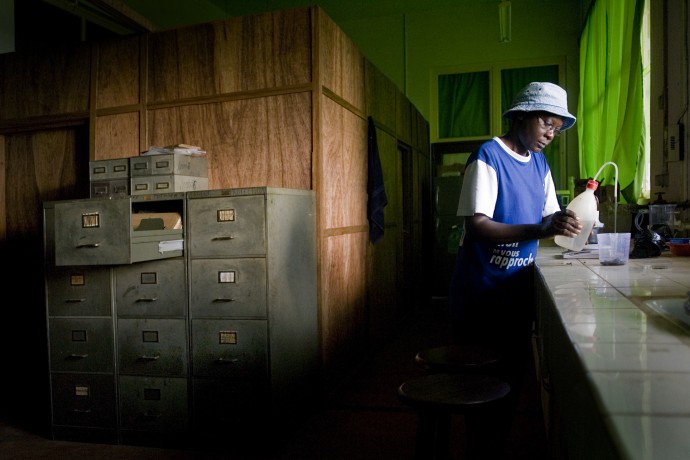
x=561, y=223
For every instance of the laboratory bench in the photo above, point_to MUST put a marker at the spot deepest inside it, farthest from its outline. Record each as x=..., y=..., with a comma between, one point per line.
x=612, y=345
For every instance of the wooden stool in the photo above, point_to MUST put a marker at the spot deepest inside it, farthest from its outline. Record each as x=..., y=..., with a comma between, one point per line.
x=456, y=358
x=437, y=396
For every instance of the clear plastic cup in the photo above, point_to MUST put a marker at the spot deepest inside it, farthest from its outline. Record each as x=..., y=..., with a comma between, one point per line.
x=614, y=248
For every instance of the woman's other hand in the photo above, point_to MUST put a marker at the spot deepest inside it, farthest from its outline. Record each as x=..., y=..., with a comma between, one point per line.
x=561, y=223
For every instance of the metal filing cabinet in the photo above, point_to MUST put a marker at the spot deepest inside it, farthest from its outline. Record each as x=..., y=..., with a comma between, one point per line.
x=81, y=346
x=252, y=278
x=109, y=177
x=152, y=344
x=169, y=172
x=215, y=339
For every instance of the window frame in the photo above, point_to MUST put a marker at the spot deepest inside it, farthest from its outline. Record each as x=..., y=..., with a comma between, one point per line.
x=496, y=115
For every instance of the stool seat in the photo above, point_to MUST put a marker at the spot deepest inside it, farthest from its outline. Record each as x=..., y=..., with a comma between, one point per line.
x=456, y=358
x=437, y=396
x=452, y=392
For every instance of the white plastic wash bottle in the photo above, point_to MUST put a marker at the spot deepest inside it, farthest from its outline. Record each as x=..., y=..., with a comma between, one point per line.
x=585, y=208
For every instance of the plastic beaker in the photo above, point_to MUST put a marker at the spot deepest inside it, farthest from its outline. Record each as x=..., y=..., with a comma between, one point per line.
x=614, y=248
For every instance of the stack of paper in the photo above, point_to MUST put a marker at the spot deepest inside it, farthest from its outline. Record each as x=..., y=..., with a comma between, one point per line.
x=182, y=149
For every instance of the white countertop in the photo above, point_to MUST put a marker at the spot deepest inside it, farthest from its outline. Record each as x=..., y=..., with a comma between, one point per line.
x=637, y=361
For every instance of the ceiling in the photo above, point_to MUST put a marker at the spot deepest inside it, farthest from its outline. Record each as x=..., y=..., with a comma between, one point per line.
x=40, y=23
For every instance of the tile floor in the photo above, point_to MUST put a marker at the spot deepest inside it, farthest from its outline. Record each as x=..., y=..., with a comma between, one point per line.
x=365, y=421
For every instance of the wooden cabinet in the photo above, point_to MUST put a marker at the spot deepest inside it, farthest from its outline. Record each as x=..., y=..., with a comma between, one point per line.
x=278, y=100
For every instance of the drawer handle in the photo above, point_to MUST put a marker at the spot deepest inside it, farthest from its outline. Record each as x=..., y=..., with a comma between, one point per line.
x=227, y=361
x=147, y=299
x=74, y=357
x=150, y=416
x=81, y=411
x=75, y=300
x=88, y=245
x=148, y=358
x=222, y=238
x=223, y=300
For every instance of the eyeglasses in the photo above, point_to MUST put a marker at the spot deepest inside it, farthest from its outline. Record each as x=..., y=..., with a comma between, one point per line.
x=548, y=127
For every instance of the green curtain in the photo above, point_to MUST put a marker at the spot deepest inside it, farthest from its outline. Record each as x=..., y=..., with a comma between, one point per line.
x=611, y=124
x=463, y=109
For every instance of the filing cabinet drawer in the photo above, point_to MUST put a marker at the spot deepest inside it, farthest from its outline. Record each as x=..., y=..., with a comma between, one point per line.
x=168, y=164
x=155, y=404
x=228, y=288
x=227, y=226
x=99, y=231
x=78, y=291
x=152, y=346
x=222, y=404
x=101, y=170
x=144, y=185
x=230, y=349
x=81, y=344
x=156, y=288
x=114, y=187
x=84, y=400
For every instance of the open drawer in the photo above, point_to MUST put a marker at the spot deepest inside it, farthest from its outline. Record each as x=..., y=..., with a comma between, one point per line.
x=119, y=230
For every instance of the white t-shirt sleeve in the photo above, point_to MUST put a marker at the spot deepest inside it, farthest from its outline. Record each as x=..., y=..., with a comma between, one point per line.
x=479, y=190
x=551, y=205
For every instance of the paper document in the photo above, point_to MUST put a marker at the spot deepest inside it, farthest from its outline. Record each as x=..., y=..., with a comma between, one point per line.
x=171, y=245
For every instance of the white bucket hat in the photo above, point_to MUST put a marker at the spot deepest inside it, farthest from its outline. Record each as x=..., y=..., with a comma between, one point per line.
x=542, y=97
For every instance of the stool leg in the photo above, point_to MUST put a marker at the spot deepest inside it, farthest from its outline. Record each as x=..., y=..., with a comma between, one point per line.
x=433, y=435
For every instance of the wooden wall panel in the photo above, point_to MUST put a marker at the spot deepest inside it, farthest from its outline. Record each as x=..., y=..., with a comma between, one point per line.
x=422, y=129
x=251, y=142
x=117, y=136
x=239, y=54
x=343, y=299
x=403, y=113
x=118, y=72
x=46, y=82
x=342, y=64
x=381, y=96
x=382, y=267
x=41, y=166
x=181, y=64
x=343, y=174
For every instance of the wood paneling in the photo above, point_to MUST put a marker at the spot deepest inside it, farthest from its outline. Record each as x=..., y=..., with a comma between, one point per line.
x=421, y=127
x=381, y=96
x=344, y=299
x=342, y=64
x=238, y=54
x=40, y=166
x=403, y=114
x=118, y=72
x=343, y=168
x=44, y=83
x=384, y=296
x=254, y=142
x=240, y=89
x=117, y=136
x=389, y=155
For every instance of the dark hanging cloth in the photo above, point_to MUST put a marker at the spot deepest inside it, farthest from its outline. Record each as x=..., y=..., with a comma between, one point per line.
x=375, y=189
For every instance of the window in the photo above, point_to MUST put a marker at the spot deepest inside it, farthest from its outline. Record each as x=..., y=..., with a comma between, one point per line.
x=467, y=104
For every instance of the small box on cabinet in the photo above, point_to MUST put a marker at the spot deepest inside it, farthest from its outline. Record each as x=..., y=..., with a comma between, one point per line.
x=100, y=170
